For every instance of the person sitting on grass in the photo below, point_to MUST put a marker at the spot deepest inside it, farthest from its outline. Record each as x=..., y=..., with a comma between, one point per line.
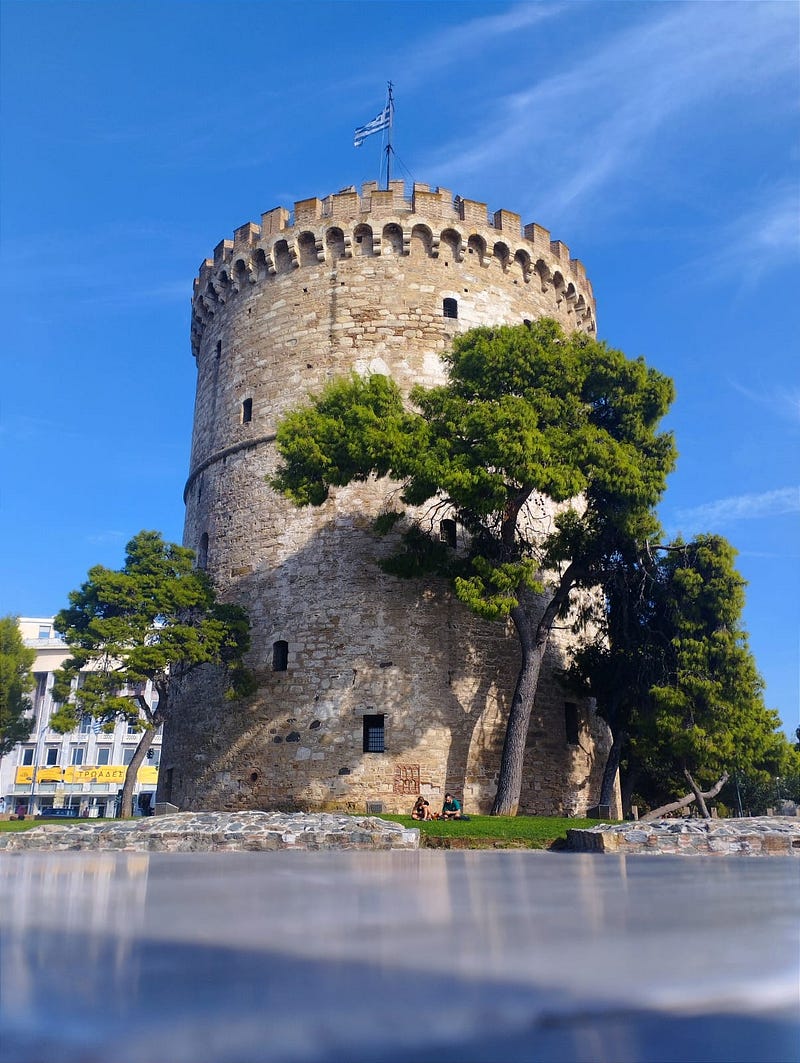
x=451, y=809
x=421, y=809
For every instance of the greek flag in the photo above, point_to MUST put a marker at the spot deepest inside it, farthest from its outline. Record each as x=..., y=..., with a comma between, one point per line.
x=375, y=126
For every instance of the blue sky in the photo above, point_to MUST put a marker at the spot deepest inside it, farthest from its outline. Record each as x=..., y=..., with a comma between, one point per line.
x=659, y=141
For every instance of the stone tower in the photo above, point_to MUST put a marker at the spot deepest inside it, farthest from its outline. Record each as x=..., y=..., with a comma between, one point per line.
x=371, y=689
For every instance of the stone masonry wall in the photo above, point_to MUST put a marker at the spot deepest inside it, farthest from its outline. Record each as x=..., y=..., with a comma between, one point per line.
x=355, y=283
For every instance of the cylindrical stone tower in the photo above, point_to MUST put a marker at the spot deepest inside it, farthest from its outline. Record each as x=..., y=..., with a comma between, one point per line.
x=371, y=689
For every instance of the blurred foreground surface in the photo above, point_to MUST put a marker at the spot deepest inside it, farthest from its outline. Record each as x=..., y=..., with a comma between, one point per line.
x=397, y=956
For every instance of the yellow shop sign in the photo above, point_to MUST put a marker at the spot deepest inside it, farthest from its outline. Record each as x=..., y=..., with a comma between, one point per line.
x=106, y=773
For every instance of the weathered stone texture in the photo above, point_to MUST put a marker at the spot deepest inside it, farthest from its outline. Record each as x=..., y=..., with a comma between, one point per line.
x=759, y=836
x=355, y=283
x=217, y=832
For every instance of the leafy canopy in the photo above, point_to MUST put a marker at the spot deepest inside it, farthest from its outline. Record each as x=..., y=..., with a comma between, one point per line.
x=154, y=619
x=527, y=411
x=16, y=680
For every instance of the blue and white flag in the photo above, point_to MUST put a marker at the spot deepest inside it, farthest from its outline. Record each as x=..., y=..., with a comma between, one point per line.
x=382, y=121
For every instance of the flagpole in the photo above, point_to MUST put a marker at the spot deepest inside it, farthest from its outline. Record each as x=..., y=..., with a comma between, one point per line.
x=390, y=105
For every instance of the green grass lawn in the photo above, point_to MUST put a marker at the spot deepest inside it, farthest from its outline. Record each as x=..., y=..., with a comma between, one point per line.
x=494, y=832
x=28, y=823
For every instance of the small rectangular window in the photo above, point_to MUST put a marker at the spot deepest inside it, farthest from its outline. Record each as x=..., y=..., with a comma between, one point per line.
x=76, y=755
x=85, y=724
x=447, y=532
x=280, y=656
x=373, y=734
x=571, y=723
x=127, y=755
x=450, y=307
x=247, y=411
x=44, y=631
x=104, y=755
x=51, y=756
x=27, y=755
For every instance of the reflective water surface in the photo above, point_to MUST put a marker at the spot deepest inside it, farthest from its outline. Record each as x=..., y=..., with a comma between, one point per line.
x=461, y=956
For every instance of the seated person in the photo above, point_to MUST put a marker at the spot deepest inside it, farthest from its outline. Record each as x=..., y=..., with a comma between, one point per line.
x=451, y=809
x=421, y=809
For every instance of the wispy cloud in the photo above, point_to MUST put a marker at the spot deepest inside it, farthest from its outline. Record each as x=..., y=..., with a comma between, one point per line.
x=780, y=402
x=711, y=515
x=457, y=44
x=765, y=236
x=599, y=120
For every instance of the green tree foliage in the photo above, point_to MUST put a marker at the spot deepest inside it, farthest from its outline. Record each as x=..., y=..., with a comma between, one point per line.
x=673, y=675
x=527, y=414
x=16, y=681
x=156, y=619
x=708, y=712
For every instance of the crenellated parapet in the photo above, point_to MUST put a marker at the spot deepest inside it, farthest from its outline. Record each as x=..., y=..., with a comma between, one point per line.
x=386, y=222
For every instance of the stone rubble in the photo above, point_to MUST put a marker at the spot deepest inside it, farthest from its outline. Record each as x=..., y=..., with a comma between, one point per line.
x=757, y=836
x=217, y=832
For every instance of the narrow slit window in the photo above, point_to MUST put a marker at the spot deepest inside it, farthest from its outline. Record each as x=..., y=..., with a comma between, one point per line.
x=280, y=656
x=450, y=307
x=571, y=723
x=374, y=734
x=247, y=411
x=202, y=552
x=447, y=532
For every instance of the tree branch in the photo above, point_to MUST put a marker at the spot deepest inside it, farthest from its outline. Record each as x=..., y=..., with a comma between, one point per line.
x=657, y=813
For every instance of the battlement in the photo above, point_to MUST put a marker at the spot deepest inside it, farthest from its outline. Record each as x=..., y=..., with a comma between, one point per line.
x=435, y=206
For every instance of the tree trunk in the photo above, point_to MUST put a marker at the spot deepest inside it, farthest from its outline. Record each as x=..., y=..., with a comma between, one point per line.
x=662, y=810
x=611, y=768
x=533, y=645
x=126, y=804
x=698, y=795
x=509, y=783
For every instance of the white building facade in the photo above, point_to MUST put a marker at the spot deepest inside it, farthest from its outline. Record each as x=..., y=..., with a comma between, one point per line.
x=76, y=774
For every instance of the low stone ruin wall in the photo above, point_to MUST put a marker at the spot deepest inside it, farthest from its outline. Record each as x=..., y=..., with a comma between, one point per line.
x=218, y=831
x=759, y=836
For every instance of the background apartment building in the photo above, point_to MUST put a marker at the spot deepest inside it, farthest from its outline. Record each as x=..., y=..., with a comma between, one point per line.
x=80, y=773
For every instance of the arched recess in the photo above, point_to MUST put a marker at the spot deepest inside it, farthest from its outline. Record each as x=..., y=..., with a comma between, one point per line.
x=421, y=242
x=334, y=244
x=282, y=257
x=392, y=241
x=502, y=255
x=558, y=287
x=523, y=260
x=239, y=274
x=570, y=295
x=450, y=245
x=362, y=238
x=307, y=249
x=542, y=271
x=476, y=246
x=260, y=264
x=223, y=285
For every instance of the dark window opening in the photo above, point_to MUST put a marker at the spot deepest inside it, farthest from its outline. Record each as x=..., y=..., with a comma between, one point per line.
x=219, y=348
x=247, y=411
x=571, y=723
x=202, y=552
x=280, y=656
x=450, y=307
x=447, y=532
x=373, y=734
